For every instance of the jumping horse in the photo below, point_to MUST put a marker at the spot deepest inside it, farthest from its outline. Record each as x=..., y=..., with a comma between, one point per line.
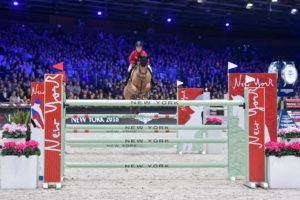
x=139, y=83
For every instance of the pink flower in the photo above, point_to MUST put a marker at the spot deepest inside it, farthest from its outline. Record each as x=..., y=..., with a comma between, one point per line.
x=214, y=120
x=9, y=145
x=275, y=146
x=209, y=119
x=32, y=144
x=219, y=121
x=21, y=147
x=294, y=146
x=288, y=130
x=12, y=129
x=6, y=127
x=23, y=128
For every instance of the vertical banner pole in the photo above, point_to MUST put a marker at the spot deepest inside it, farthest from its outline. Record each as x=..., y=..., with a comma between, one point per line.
x=63, y=136
x=256, y=141
x=53, y=129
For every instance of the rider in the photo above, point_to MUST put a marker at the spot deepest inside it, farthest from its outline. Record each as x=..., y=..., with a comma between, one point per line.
x=134, y=59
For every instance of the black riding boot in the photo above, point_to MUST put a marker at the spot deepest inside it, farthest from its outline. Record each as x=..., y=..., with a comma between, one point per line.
x=128, y=77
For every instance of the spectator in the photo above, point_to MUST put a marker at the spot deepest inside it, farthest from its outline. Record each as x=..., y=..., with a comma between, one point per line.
x=96, y=62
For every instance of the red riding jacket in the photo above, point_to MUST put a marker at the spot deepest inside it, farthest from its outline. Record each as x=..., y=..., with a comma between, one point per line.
x=134, y=56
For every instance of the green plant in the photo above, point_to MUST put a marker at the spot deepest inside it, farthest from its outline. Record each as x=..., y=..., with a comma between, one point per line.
x=23, y=117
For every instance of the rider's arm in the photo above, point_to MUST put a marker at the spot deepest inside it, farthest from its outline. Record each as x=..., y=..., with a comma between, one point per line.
x=132, y=58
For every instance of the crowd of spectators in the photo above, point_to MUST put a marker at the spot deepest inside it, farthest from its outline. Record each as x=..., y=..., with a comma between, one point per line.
x=96, y=62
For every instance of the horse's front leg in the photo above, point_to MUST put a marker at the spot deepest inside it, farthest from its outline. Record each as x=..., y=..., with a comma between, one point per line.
x=146, y=91
x=148, y=87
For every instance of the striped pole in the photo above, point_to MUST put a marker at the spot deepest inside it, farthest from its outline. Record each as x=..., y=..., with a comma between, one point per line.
x=14, y=105
x=161, y=165
x=132, y=116
x=145, y=140
x=77, y=127
x=151, y=103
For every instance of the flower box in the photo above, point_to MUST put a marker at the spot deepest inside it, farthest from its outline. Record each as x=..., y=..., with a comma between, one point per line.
x=19, y=172
x=283, y=172
x=19, y=165
x=283, y=164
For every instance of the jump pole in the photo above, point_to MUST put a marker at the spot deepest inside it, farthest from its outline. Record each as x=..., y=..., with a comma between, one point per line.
x=150, y=103
x=132, y=116
x=144, y=141
x=70, y=127
x=147, y=165
x=102, y=131
x=114, y=145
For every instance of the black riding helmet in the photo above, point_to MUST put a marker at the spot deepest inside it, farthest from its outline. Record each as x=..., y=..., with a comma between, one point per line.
x=138, y=44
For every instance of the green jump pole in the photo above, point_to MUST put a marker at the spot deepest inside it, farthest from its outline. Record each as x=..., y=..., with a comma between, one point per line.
x=95, y=131
x=150, y=103
x=112, y=145
x=146, y=140
x=146, y=165
x=143, y=127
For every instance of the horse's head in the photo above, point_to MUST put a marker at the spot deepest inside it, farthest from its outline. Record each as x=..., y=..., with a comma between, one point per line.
x=144, y=61
x=143, y=66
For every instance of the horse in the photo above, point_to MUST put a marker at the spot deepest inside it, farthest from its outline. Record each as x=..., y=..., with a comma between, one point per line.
x=139, y=83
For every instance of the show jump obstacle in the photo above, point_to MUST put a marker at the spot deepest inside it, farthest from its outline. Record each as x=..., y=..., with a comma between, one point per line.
x=55, y=130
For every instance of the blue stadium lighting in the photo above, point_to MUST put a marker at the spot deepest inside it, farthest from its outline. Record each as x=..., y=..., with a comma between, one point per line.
x=227, y=24
x=15, y=3
x=169, y=20
x=99, y=13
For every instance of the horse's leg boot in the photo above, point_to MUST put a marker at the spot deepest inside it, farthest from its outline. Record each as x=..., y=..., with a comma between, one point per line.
x=152, y=79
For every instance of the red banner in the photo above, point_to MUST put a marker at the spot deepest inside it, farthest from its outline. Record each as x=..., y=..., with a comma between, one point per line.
x=237, y=83
x=256, y=134
x=185, y=112
x=37, y=104
x=53, y=113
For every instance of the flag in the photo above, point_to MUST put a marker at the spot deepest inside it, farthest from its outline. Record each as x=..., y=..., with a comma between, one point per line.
x=231, y=65
x=179, y=83
x=59, y=66
x=249, y=79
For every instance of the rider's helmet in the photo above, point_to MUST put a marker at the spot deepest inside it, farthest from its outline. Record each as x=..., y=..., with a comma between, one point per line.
x=138, y=44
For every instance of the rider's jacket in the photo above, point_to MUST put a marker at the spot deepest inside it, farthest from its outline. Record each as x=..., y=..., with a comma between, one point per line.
x=134, y=56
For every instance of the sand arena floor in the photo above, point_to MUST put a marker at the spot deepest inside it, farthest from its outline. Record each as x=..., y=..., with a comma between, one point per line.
x=152, y=184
